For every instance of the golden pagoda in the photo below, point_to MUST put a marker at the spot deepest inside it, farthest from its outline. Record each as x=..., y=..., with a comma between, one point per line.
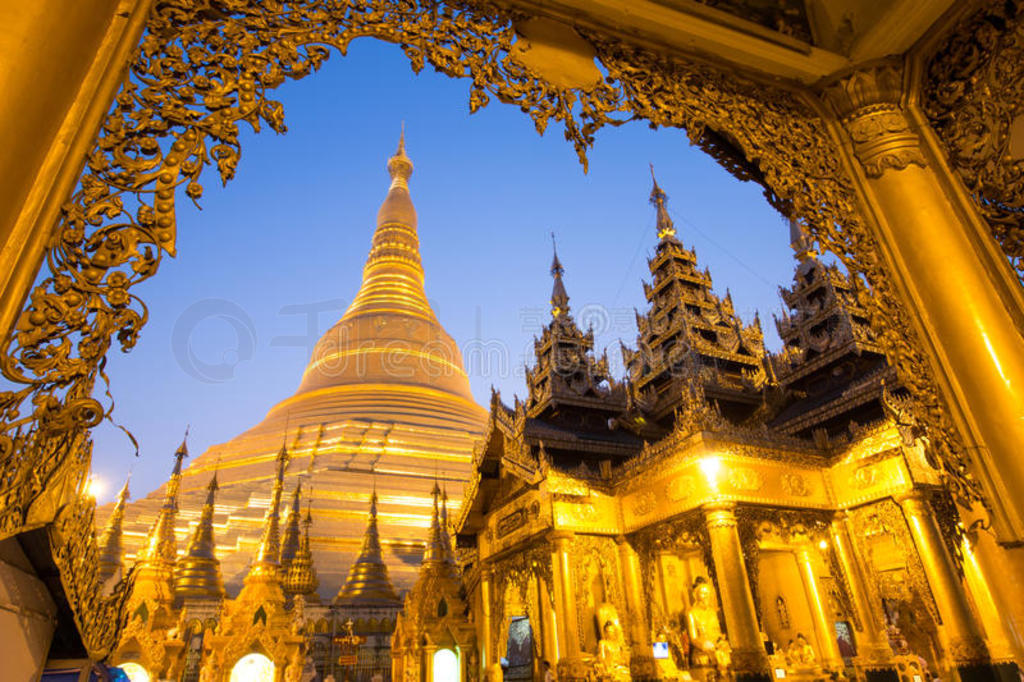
x=368, y=583
x=110, y=543
x=197, y=574
x=384, y=400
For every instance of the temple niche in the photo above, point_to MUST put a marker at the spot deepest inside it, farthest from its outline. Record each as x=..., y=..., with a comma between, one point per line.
x=723, y=512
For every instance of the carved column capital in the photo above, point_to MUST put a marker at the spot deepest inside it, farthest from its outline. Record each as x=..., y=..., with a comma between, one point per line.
x=868, y=104
x=720, y=515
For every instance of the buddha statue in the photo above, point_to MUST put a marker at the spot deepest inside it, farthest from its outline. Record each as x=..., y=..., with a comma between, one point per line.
x=703, y=625
x=612, y=652
x=800, y=653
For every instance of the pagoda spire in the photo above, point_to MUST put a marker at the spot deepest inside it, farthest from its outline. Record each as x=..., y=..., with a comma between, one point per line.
x=368, y=582
x=435, y=538
x=446, y=536
x=393, y=274
x=290, y=541
x=162, y=544
x=154, y=577
x=559, y=297
x=197, y=574
x=802, y=246
x=110, y=543
x=266, y=565
x=666, y=229
x=300, y=577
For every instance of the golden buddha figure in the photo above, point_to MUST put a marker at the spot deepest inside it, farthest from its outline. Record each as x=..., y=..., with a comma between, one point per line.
x=800, y=653
x=611, y=650
x=703, y=625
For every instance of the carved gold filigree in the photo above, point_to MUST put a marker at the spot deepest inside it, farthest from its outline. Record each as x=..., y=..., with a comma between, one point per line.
x=973, y=96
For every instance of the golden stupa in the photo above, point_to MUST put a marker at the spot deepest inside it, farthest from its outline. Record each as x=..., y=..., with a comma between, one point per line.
x=384, y=402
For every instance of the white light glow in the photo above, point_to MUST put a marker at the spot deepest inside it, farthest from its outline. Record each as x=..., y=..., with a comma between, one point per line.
x=135, y=672
x=710, y=467
x=253, y=668
x=446, y=666
x=94, y=489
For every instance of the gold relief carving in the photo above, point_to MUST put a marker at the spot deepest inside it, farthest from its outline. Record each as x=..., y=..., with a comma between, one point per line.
x=518, y=570
x=864, y=477
x=511, y=522
x=644, y=503
x=973, y=94
x=680, y=488
x=746, y=479
x=595, y=559
x=968, y=651
x=884, y=522
x=100, y=619
x=795, y=485
x=868, y=104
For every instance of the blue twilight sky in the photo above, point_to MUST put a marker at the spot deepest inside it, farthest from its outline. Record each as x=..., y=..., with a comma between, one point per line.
x=233, y=319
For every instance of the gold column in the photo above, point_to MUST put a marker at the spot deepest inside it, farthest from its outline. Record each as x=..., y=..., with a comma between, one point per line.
x=959, y=291
x=824, y=627
x=873, y=649
x=999, y=577
x=629, y=566
x=749, y=657
x=548, y=621
x=565, y=594
x=62, y=63
x=960, y=634
x=486, y=656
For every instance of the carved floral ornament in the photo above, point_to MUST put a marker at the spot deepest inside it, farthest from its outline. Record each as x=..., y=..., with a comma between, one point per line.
x=206, y=66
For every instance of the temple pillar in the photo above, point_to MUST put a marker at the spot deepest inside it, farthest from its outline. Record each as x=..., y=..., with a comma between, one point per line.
x=486, y=626
x=629, y=567
x=824, y=628
x=750, y=661
x=959, y=633
x=874, y=654
x=548, y=622
x=428, y=657
x=571, y=665
x=957, y=288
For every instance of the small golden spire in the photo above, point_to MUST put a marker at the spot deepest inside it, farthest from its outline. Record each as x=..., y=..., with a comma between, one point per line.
x=559, y=297
x=266, y=564
x=300, y=577
x=290, y=542
x=162, y=545
x=110, y=543
x=446, y=531
x=666, y=230
x=197, y=574
x=803, y=248
x=435, y=551
x=368, y=582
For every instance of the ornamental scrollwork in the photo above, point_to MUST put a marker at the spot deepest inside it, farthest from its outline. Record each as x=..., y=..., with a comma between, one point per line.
x=973, y=96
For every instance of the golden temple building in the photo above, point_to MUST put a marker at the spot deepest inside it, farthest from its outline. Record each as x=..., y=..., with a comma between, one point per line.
x=384, y=402
x=850, y=506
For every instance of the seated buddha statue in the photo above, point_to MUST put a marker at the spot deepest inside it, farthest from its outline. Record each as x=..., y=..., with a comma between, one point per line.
x=703, y=625
x=613, y=654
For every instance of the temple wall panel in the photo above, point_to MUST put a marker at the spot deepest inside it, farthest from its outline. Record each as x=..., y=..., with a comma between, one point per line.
x=785, y=612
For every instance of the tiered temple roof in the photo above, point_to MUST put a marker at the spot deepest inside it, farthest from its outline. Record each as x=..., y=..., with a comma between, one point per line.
x=689, y=334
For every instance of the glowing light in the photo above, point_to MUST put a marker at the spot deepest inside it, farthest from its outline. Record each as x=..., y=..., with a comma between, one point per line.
x=135, y=672
x=253, y=668
x=446, y=666
x=710, y=466
x=823, y=544
x=95, y=488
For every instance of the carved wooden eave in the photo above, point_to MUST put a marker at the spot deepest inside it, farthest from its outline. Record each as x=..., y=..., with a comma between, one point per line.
x=689, y=28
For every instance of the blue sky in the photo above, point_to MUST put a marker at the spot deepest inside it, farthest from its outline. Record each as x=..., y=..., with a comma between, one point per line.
x=290, y=233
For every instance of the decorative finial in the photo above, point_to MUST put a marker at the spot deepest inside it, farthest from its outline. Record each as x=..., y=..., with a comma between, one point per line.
x=666, y=230
x=401, y=142
x=399, y=165
x=559, y=297
x=802, y=246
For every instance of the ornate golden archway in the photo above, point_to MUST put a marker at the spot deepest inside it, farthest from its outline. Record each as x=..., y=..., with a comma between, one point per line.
x=203, y=67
